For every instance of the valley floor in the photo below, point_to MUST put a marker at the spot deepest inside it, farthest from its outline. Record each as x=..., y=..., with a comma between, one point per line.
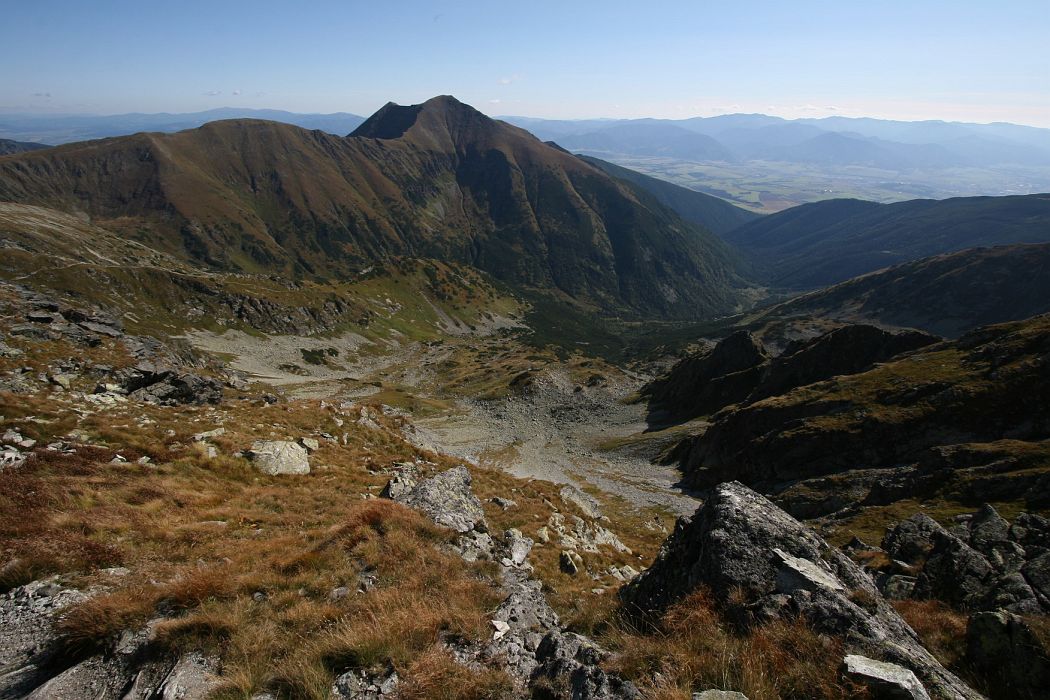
x=547, y=427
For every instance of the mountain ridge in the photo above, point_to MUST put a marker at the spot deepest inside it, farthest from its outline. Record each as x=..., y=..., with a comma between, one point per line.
x=262, y=196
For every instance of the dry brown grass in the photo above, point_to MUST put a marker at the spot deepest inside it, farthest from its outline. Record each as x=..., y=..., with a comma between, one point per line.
x=437, y=676
x=694, y=648
x=941, y=629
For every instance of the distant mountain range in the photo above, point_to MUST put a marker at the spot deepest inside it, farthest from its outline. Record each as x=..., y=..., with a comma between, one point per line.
x=59, y=129
x=877, y=143
x=437, y=180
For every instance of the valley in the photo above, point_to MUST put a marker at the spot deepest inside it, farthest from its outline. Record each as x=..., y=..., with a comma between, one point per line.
x=437, y=409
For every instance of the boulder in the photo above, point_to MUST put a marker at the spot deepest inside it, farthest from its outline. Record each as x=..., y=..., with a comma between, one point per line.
x=719, y=695
x=167, y=386
x=758, y=561
x=587, y=503
x=885, y=681
x=275, y=457
x=518, y=546
x=570, y=562
x=1002, y=646
x=445, y=498
x=954, y=572
x=911, y=539
x=576, y=661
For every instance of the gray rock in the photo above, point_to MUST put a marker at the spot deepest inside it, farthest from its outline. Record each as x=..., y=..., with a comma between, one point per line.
x=1002, y=646
x=1037, y=573
x=986, y=528
x=275, y=457
x=93, y=678
x=587, y=503
x=401, y=485
x=518, y=546
x=719, y=695
x=310, y=444
x=208, y=434
x=897, y=586
x=884, y=680
x=446, y=498
x=504, y=503
x=955, y=572
x=26, y=617
x=576, y=661
x=365, y=685
x=912, y=539
x=795, y=574
x=731, y=547
x=193, y=678
x=570, y=562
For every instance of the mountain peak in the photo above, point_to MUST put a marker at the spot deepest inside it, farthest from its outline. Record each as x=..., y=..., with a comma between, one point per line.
x=442, y=123
x=442, y=113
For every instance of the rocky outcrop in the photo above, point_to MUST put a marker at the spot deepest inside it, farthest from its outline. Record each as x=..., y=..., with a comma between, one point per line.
x=528, y=642
x=707, y=381
x=845, y=350
x=275, y=457
x=909, y=427
x=28, y=646
x=166, y=385
x=34, y=664
x=445, y=498
x=739, y=370
x=1004, y=647
x=983, y=563
x=760, y=563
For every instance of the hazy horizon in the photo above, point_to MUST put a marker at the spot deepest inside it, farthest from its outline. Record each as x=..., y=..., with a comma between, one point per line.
x=947, y=61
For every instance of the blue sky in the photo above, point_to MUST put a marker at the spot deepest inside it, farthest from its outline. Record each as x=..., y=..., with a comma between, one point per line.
x=924, y=59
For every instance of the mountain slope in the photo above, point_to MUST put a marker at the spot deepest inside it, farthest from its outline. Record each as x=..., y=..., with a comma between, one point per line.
x=945, y=294
x=818, y=244
x=9, y=147
x=433, y=180
x=716, y=215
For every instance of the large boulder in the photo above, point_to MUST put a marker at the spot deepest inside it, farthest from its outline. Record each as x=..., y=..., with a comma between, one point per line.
x=911, y=539
x=446, y=498
x=757, y=560
x=884, y=681
x=275, y=457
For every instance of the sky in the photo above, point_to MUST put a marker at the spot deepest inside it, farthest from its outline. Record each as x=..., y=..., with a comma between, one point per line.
x=965, y=60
